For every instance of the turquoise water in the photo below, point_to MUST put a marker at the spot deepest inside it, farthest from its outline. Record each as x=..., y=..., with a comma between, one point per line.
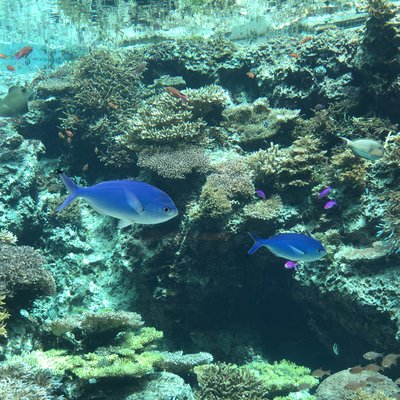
x=141, y=142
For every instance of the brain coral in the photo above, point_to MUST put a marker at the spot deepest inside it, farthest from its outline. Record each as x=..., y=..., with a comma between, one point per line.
x=174, y=163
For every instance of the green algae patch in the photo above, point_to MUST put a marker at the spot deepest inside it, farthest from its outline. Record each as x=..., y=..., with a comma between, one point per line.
x=128, y=359
x=282, y=377
x=257, y=379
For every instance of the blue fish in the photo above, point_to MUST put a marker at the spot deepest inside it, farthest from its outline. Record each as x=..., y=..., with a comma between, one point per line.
x=129, y=201
x=292, y=246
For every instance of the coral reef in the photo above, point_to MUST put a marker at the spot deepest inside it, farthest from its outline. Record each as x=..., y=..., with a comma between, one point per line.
x=91, y=323
x=3, y=317
x=227, y=382
x=21, y=381
x=302, y=165
x=180, y=363
x=22, y=277
x=163, y=386
x=268, y=115
x=7, y=237
x=365, y=385
x=174, y=163
x=257, y=121
x=264, y=210
x=389, y=229
x=258, y=380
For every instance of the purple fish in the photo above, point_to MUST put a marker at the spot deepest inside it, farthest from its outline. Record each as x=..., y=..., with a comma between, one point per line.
x=324, y=192
x=330, y=204
x=261, y=194
x=291, y=264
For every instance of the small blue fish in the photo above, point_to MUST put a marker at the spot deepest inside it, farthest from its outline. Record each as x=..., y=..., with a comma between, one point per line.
x=129, y=201
x=292, y=246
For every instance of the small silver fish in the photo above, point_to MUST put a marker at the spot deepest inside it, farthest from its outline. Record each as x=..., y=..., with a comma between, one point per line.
x=335, y=349
x=366, y=148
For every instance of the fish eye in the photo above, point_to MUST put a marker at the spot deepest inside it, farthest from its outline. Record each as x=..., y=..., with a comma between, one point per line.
x=166, y=209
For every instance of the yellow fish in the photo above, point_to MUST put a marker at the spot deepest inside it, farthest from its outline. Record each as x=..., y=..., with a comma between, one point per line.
x=366, y=148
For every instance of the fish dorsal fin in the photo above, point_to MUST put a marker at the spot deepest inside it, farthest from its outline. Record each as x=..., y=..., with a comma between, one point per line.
x=296, y=250
x=134, y=202
x=124, y=223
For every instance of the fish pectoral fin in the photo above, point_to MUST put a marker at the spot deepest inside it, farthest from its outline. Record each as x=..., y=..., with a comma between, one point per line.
x=134, y=202
x=296, y=250
x=122, y=223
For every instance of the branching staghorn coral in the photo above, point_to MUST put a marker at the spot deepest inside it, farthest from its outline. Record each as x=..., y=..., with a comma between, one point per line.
x=22, y=381
x=264, y=209
x=3, y=316
x=227, y=382
x=255, y=380
x=174, y=163
x=348, y=169
x=265, y=162
x=389, y=229
x=302, y=163
x=235, y=177
x=105, y=81
x=7, y=237
x=21, y=274
x=128, y=355
x=164, y=119
x=392, y=151
x=231, y=183
x=257, y=121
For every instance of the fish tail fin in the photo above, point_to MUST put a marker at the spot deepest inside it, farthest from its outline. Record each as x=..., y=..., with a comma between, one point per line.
x=345, y=139
x=72, y=188
x=69, y=184
x=257, y=243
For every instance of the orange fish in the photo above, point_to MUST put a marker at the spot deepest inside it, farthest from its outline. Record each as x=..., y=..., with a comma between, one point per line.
x=251, y=75
x=176, y=93
x=356, y=370
x=10, y=68
x=3, y=55
x=372, y=367
x=24, y=52
x=353, y=386
x=294, y=55
x=320, y=373
x=112, y=105
x=389, y=360
x=69, y=133
x=305, y=40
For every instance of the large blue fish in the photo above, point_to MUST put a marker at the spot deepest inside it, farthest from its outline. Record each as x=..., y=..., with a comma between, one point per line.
x=292, y=246
x=129, y=201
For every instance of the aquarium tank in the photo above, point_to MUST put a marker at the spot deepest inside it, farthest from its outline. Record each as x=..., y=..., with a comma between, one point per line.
x=199, y=200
